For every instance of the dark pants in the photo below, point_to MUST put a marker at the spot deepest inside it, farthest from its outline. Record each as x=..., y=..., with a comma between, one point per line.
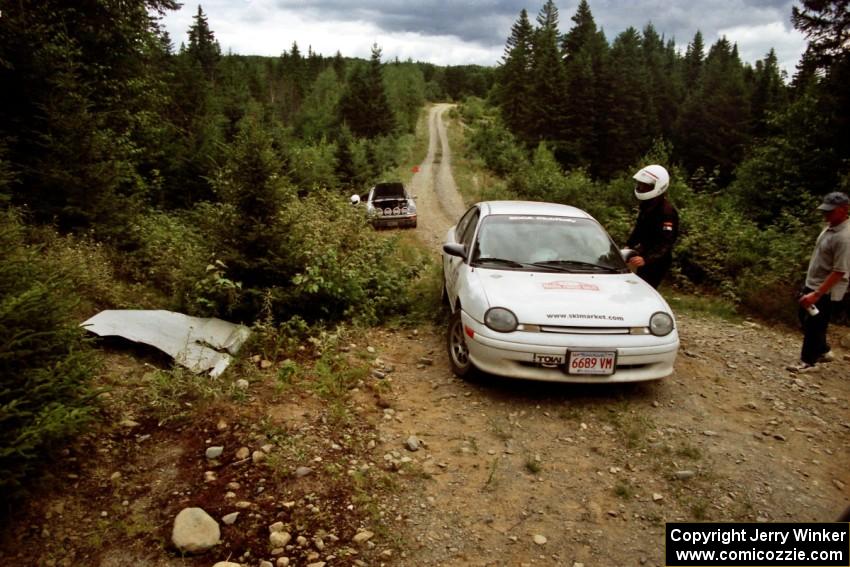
x=814, y=329
x=653, y=273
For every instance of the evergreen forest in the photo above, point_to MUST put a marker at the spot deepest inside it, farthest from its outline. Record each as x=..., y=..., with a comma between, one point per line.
x=140, y=171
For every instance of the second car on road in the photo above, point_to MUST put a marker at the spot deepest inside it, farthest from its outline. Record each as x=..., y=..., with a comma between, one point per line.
x=389, y=205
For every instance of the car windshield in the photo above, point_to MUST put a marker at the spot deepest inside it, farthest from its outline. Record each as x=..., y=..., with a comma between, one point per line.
x=546, y=243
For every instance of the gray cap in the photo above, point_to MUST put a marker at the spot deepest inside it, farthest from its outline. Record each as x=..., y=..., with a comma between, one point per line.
x=834, y=199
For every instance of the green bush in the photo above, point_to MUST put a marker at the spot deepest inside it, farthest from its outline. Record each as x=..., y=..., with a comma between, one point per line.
x=499, y=149
x=170, y=253
x=473, y=109
x=45, y=364
x=90, y=267
x=312, y=165
x=317, y=259
x=760, y=268
x=344, y=269
x=542, y=179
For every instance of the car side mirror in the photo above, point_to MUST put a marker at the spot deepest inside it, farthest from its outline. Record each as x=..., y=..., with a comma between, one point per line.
x=458, y=250
x=627, y=253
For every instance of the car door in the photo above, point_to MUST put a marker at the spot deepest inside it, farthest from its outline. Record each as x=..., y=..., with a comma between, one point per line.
x=452, y=265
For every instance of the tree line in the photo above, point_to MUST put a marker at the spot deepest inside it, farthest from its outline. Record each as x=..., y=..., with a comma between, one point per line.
x=773, y=142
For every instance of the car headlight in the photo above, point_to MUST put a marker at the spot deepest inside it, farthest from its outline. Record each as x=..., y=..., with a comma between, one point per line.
x=661, y=324
x=500, y=319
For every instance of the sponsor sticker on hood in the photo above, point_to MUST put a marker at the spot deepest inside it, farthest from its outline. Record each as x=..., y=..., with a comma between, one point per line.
x=579, y=286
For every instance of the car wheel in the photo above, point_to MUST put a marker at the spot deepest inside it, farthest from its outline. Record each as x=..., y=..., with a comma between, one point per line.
x=456, y=344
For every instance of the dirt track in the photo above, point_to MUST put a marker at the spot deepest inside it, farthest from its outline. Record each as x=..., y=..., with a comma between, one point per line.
x=438, y=202
x=597, y=471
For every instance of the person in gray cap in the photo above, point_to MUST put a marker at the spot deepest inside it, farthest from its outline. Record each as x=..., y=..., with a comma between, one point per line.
x=826, y=282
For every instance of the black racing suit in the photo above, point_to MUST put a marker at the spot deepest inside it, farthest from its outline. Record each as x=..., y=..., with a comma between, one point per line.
x=653, y=237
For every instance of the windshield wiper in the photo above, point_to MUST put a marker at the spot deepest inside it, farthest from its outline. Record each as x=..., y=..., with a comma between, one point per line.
x=502, y=261
x=569, y=265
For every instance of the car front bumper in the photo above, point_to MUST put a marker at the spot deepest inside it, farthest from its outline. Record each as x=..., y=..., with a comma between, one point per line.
x=392, y=221
x=639, y=357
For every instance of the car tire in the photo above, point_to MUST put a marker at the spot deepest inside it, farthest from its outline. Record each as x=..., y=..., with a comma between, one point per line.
x=444, y=293
x=457, y=349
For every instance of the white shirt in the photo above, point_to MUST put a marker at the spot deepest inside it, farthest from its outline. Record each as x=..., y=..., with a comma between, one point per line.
x=831, y=254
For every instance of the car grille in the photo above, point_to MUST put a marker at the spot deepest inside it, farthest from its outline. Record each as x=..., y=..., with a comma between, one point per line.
x=392, y=211
x=585, y=330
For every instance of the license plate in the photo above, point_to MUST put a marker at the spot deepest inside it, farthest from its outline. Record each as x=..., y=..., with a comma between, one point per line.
x=596, y=362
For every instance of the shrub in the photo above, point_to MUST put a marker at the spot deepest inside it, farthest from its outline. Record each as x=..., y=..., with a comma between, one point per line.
x=542, y=179
x=757, y=267
x=90, y=267
x=169, y=253
x=498, y=147
x=344, y=269
x=45, y=364
x=312, y=165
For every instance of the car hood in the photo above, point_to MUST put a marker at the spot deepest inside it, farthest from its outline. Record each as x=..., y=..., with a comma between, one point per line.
x=606, y=300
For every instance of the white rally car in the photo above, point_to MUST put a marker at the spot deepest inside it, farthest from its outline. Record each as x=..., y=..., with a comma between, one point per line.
x=540, y=291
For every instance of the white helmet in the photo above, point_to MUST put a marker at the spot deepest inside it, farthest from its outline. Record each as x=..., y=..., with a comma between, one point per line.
x=355, y=199
x=653, y=175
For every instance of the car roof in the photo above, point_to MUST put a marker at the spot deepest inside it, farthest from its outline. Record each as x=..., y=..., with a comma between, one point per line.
x=531, y=208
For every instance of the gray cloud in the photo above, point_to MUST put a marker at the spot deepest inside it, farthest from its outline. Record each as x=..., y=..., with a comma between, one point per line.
x=488, y=21
x=481, y=21
x=482, y=26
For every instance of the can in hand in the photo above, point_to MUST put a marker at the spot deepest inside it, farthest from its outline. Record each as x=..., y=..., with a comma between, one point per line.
x=812, y=310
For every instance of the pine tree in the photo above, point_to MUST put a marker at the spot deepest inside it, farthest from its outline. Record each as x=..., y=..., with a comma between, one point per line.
x=203, y=46
x=365, y=106
x=627, y=122
x=318, y=116
x=405, y=88
x=658, y=102
x=548, y=97
x=293, y=83
x=339, y=66
x=667, y=90
x=585, y=52
x=769, y=93
x=46, y=365
x=513, y=88
x=582, y=33
x=713, y=128
x=82, y=89
x=694, y=59
x=826, y=24
x=252, y=186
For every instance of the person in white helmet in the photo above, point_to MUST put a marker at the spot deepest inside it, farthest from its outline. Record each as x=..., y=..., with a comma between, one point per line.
x=656, y=228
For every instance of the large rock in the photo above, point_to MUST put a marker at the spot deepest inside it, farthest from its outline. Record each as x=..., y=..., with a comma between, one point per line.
x=194, y=531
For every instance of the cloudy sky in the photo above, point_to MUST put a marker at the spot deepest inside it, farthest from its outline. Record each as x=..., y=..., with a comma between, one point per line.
x=458, y=32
